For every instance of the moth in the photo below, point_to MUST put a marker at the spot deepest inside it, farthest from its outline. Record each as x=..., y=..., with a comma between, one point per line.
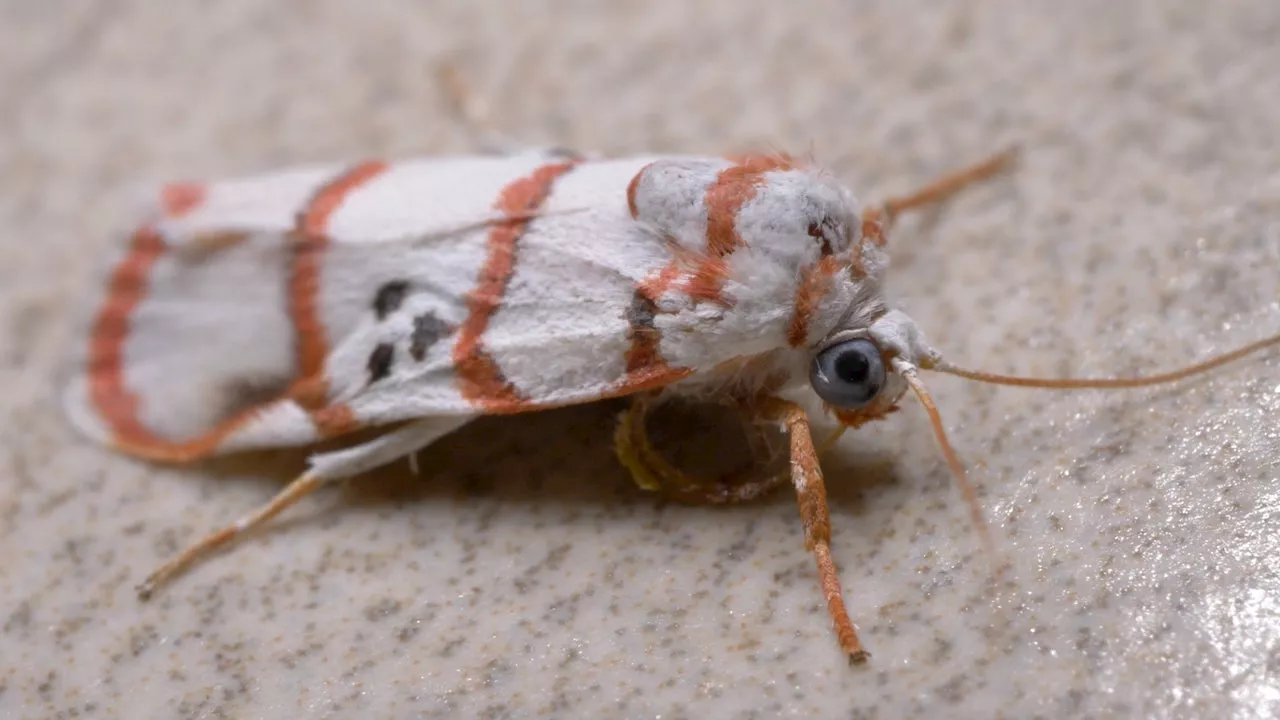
x=413, y=297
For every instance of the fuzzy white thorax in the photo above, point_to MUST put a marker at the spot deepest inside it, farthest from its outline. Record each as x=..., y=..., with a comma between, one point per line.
x=764, y=277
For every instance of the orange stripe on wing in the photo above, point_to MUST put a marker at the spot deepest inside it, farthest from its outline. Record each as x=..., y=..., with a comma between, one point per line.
x=815, y=281
x=733, y=188
x=335, y=420
x=633, y=187
x=119, y=406
x=649, y=378
x=310, y=237
x=643, y=355
x=179, y=198
x=480, y=380
x=108, y=392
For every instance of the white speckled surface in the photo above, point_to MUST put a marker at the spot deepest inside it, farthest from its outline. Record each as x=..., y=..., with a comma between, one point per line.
x=523, y=576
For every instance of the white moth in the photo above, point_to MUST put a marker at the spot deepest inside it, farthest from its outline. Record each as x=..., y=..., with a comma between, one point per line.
x=415, y=296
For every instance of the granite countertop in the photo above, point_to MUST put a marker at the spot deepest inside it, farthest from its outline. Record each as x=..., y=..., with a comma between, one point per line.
x=522, y=575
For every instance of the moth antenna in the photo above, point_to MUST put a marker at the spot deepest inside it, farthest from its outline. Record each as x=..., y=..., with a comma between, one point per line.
x=1107, y=383
x=967, y=490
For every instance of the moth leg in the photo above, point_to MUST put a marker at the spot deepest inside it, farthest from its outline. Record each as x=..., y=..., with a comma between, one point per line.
x=742, y=490
x=651, y=471
x=631, y=444
x=474, y=112
x=877, y=219
x=295, y=491
x=811, y=495
x=325, y=468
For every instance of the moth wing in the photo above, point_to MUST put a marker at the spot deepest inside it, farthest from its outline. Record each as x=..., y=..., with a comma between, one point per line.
x=543, y=311
x=259, y=312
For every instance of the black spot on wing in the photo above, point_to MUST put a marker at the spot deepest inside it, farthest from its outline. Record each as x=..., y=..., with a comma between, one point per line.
x=389, y=298
x=380, y=361
x=641, y=313
x=427, y=331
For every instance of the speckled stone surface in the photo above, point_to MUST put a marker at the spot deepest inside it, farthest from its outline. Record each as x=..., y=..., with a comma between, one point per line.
x=521, y=575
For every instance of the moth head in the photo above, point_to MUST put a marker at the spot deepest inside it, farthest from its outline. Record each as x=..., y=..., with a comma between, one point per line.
x=859, y=373
x=862, y=369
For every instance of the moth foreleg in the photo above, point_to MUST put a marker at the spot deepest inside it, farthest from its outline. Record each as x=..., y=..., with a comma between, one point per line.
x=325, y=467
x=811, y=494
x=651, y=471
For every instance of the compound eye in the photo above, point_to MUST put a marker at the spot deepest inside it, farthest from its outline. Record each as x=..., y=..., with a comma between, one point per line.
x=848, y=375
